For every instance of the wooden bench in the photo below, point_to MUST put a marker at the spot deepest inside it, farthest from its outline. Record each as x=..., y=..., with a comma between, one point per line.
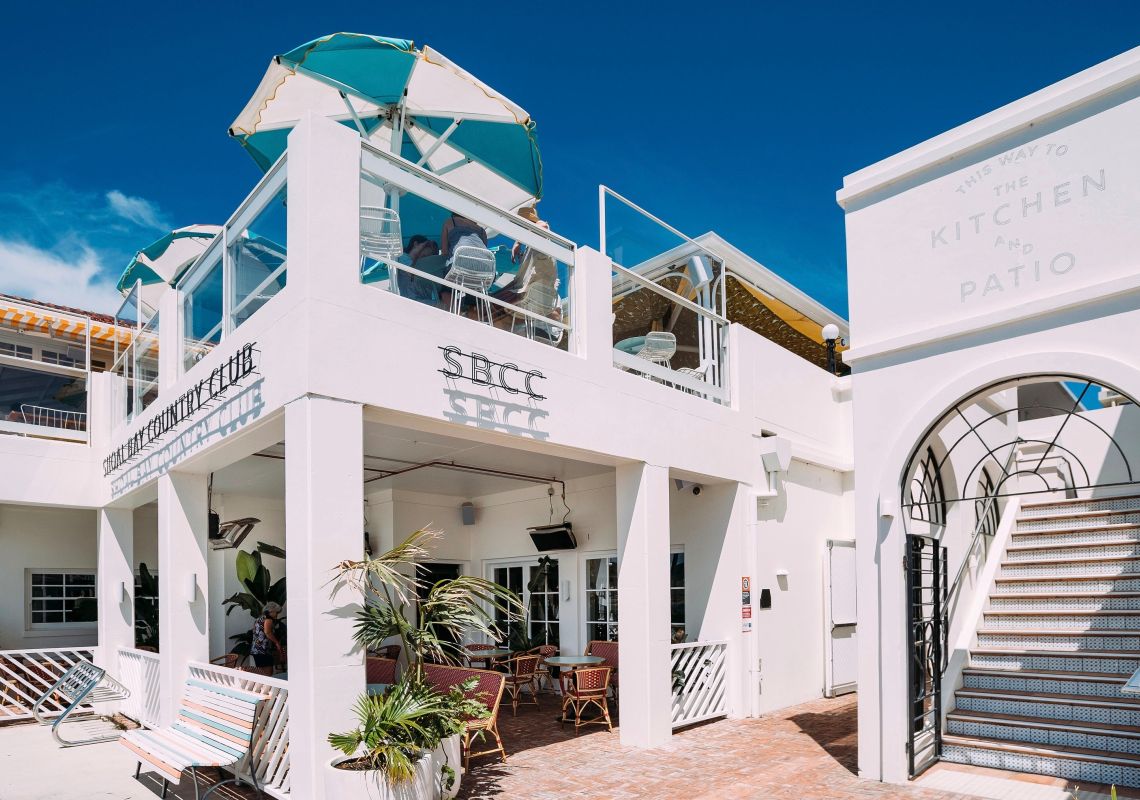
x=214, y=728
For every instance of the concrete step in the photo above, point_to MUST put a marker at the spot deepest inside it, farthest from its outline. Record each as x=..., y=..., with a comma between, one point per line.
x=1050, y=705
x=1035, y=510
x=1045, y=602
x=1036, y=681
x=1056, y=661
x=1071, y=641
x=995, y=619
x=1071, y=566
x=1076, y=550
x=1090, y=583
x=1068, y=536
x=1075, y=764
x=1047, y=732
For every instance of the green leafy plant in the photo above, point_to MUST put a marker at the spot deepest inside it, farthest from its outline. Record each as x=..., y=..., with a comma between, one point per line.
x=260, y=588
x=397, y=727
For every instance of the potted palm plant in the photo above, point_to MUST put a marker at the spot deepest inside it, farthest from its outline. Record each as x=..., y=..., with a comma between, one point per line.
x=406, y=742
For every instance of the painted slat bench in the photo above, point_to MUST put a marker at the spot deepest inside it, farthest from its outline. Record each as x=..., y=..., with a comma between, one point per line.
x=214, y=728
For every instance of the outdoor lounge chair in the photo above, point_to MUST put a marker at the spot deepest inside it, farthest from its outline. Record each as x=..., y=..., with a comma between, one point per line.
x=488, y=690
x=588, y=687
x=82, y=683
x=214, y=728
x=522, y=674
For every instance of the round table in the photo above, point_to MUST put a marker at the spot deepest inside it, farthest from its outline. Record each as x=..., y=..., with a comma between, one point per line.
x=487, y=656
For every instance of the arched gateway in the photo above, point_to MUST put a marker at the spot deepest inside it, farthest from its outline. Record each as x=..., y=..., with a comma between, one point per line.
x=995, y=298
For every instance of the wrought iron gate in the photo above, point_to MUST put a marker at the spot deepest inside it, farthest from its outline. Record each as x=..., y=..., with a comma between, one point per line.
x=927, y=628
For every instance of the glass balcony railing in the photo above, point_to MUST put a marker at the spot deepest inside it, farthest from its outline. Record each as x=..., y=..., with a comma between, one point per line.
x=425, y=240
x=669, y=323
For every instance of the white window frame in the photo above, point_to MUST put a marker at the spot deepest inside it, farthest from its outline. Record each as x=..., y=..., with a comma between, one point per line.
x=490, y=565
x=584, y=610
x=29, y=625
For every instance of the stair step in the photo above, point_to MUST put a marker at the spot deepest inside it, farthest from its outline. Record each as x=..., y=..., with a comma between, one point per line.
x=1055, y=568
x=1050, y=705
x=1053, y=698
x=1092, y=583
x=1059, y=662
x=1021, y=682
x=1068, y=620
x=1038, y=553
x=1071, y=538
x=1069, y=601
x=1071, y=503
x=1073, y=763
x=1079, y=513
x=1035, y=731
x=1053, y=640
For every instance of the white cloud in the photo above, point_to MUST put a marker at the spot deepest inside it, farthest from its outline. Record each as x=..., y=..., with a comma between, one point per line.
x=136, y=209
x=51, y=277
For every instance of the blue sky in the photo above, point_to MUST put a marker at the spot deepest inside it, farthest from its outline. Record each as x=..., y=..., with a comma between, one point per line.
x=739, y=118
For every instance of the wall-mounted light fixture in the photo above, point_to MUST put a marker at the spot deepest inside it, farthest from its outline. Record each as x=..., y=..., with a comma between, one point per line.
x=124, y=592
x=831, y=338
x=191, y=587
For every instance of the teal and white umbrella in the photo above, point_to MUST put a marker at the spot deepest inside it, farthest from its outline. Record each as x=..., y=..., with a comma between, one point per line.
x=160, y=263
x=410, y=101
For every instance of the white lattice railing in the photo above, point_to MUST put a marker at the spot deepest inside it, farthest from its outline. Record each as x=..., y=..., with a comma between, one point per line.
x=139, y=672
x=270, y=750
x=700, y=683
x=26, y=674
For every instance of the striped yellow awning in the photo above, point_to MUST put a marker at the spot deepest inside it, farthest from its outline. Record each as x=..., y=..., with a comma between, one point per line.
x=65, y=326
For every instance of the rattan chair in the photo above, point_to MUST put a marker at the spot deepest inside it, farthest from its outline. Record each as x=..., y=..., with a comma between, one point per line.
x=229, y=661
x=543, y=671
x=608, y=651
x=379, y=670
x=473, y=657
x=522, y=673
x=589, y=686
x=488, y=690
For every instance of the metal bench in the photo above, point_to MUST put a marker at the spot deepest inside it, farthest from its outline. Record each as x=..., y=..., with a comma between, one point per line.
x=215, y=727
x=82, y=683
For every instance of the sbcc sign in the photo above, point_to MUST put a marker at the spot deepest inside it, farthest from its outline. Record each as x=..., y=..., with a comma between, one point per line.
x=482, y=371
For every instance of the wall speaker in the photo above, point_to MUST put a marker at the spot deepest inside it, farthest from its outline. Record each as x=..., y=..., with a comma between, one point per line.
x=467, y=511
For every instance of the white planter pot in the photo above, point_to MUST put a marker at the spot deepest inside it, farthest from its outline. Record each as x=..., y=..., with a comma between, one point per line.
x=345, y=784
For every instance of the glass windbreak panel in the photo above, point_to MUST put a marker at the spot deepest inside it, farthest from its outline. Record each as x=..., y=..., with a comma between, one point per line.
x=39, y=396
x=425, y=252
x=202, y=311
x=258, y=256
x=144, y=366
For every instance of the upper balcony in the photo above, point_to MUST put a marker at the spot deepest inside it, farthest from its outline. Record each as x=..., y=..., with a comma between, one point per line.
x=47, y=355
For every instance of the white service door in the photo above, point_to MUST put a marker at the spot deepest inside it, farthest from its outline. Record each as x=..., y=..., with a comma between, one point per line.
x=842, y=656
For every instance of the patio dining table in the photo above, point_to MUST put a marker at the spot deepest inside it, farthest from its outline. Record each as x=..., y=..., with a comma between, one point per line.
x=570, y=663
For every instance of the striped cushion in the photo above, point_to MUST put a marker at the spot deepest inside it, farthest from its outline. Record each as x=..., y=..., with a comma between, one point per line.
x=213, y=729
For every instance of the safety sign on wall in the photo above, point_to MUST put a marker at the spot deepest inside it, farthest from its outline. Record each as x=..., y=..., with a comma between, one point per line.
x=746, y=604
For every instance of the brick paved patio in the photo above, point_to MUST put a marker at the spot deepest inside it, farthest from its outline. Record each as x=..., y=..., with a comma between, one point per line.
x=804, y=753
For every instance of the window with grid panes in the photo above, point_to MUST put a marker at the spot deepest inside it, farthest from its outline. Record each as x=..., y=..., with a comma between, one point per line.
x=55, y=595
x=677, y=596
x=601, y=599
x=15, y=350
x=542, y=591
x=52, y=357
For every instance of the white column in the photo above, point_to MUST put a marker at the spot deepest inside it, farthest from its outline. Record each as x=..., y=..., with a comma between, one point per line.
x=324, y=514
x=643, y=602
x=183, y=627
x=116, y=589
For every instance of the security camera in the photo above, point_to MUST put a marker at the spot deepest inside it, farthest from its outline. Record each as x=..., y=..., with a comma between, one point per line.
x=696, y=488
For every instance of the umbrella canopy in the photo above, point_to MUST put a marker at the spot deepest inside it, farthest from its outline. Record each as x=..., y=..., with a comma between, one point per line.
x=161, y=262
x=411, y=101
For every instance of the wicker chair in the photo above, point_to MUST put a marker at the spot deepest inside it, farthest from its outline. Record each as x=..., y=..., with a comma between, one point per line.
x=391, y=651
x=229, y=661
x=608, y=651
x=380, y=670
x=474, y=658
x=488, y=690
x=256, y=670
x=522, y=673
x=543, y=671
x=589, y=686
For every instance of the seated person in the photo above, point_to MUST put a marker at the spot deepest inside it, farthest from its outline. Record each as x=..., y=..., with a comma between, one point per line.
x=458, y=231
x=536, y=267
x=413, y=286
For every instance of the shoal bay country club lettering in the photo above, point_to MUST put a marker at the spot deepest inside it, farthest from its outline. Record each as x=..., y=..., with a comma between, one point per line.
x=1013, y=199
x=230, y=373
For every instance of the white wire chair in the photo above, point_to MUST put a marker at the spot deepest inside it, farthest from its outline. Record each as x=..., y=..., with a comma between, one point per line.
x=472, y=268
x=381, y=239
x=540, y=299
x=659, y=348
x=53, y=417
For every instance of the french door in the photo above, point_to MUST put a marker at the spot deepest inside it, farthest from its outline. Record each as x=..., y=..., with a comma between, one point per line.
x=536, y=583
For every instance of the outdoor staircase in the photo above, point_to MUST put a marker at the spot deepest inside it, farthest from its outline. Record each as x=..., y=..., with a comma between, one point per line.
x=1061, y=635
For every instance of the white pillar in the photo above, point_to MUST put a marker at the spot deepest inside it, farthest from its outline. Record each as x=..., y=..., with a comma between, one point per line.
x=324, y=515
x=183, y=627
x=116, y=589
x=643, y=602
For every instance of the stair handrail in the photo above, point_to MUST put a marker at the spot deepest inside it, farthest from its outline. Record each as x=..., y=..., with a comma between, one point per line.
x=979, y=528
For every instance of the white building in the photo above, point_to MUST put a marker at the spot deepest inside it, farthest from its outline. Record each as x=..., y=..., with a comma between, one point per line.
x=327, y=405
x=994, y=301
